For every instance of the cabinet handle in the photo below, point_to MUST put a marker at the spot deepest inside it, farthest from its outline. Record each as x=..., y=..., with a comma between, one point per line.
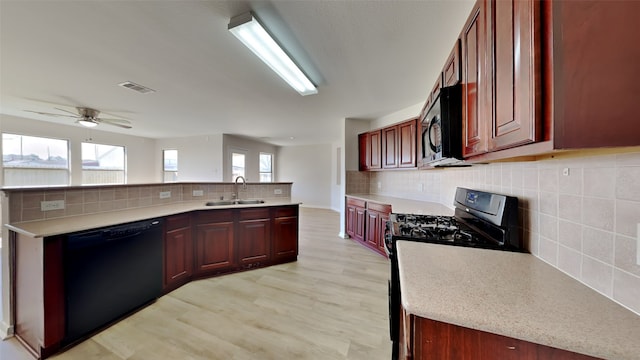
x=511, y=347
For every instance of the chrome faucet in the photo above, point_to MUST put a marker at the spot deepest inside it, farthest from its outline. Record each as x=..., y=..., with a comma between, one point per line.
x=244, y=185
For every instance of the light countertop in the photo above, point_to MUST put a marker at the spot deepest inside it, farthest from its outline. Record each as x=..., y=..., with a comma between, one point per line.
x=515, y=295
x=64, y=225
x=406, y=206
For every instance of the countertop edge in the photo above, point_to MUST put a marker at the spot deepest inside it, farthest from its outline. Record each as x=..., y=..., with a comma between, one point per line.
x=70, y=224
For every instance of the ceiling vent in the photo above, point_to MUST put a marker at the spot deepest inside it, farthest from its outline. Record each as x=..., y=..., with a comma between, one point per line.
x=137, y=87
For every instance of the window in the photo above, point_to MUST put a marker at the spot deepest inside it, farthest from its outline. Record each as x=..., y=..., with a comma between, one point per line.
x=266, y=167
x=170, y=165
x=103, y=164
x=31, y=160
x=237, y=165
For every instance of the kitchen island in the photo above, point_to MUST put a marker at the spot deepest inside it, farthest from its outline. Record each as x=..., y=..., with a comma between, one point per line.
x=198, y=241
x=514, y=295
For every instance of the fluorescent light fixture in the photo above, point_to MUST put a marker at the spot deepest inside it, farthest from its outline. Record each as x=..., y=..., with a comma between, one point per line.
x=247, y=28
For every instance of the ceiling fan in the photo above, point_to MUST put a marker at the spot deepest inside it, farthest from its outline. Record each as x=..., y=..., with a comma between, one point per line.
x=88, y=117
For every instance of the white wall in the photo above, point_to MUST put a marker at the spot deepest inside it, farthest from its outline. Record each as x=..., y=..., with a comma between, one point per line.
x=400, y=115
x=309, y=167
x=200, y=158
x=139, y=149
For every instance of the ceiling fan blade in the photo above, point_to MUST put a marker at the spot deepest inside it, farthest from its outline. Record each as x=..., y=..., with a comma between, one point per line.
x=67, y=111
x=105, y=121
x=51, y=114
x=121, y=121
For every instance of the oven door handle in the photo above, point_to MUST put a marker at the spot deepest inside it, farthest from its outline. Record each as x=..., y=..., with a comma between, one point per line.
x=432, y=122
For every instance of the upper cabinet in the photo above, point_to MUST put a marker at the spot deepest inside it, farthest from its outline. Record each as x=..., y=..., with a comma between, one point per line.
x=540, y=76
x=391, y=147
x=451, y=73
x=476, y=107
x=501, y=76
x=514, y=68
x=370, y=154
x=595, y=72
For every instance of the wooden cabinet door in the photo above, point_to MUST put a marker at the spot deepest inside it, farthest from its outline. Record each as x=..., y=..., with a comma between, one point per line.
x=254, y=236
x=214, y=247
x=390, y=147
x=364, y=147
x=350, y=222
x=358, y=231
x=451, y=72
x=372, y=229
x=596, y=73
x=381, y=231
x=407, y=144
x=475, y=106
x=513, y=29
x=285, y=238
x=375, y=153
x=178, y=257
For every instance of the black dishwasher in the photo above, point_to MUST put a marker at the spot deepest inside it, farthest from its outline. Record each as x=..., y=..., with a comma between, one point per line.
x=110, y=272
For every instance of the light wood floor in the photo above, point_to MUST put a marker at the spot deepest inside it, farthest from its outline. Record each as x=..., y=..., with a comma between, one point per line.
x=330, y=304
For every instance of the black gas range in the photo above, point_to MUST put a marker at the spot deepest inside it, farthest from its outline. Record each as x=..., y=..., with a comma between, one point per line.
x=481, y=220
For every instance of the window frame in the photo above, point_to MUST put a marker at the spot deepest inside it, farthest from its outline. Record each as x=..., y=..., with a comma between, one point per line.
x=66, y=169
x=271, y=172
x=123, y=170
x=170, y=173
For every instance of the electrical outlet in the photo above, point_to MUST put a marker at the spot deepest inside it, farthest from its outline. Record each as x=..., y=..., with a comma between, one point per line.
x=421, y=187
x=277, y=191
x=52, y=205
x=379, y=185
x=198, y=192
x=165, y=194
x=565, y=171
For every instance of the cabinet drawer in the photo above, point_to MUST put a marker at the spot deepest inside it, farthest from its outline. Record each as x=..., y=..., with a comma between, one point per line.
x=286, y=211
x=254, y=214
x=177, y=222
x=383, y=208
x=212, y=216
x=356, y=202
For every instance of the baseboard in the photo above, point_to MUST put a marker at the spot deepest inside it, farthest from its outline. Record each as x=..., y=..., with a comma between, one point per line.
x=6, y=330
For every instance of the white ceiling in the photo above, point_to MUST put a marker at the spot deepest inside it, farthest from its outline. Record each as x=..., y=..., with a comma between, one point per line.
x=369, y=59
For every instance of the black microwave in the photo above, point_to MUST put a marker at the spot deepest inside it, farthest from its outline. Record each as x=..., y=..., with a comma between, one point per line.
x=442, y=129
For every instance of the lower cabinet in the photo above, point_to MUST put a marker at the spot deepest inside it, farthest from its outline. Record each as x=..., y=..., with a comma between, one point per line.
x=178, y=251
x=422, y=338
x=366, y=222
x=254, y=237
x=285, y=234
x=213, y=242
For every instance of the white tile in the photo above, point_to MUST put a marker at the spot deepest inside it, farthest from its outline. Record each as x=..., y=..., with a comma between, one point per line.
x=569, y=261
x=597, y=244
x=549, y=203
x=598, y=213
x=570, y=234
x=549, y=180
x=628, y=183
x=626, y=254
x=570, y=207
x=626, y=290
x=597, y=275
x=572, y=183
x=600, y=182
x=548, y=251
x=627, y=217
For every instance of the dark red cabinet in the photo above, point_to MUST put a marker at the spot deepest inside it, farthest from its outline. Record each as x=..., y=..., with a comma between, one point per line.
x=178, y=251
x=285, y=233
x=214, y=242
x=254, y=237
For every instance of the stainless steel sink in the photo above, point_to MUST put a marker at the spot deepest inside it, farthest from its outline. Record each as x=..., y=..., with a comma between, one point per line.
x=221, y=202
x=234, y=202
x=247, y=201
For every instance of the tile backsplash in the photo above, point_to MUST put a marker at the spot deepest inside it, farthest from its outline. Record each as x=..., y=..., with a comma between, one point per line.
x=579, y=214
x=24, y=205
